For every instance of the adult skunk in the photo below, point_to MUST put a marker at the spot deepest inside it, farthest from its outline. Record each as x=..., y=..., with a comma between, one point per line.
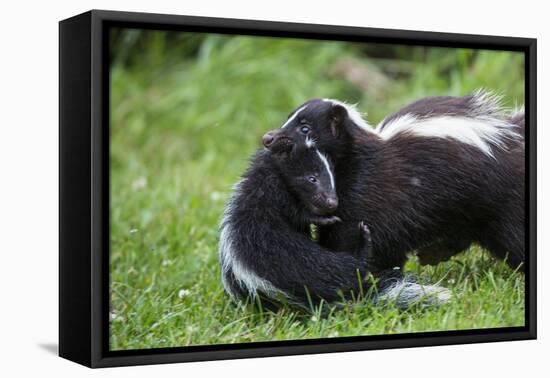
x=436, y=176
x=265, y=247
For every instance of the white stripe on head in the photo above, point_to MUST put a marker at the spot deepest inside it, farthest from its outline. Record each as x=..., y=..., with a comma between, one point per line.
x=309, y=142
x=327, y=166
x=293, y=116
x=353, y=114
x=480, y=132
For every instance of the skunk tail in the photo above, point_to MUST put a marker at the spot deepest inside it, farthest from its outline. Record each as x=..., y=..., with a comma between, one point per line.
x=404, y=292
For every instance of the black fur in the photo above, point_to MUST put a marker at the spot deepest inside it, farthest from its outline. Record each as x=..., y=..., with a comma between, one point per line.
x=416, y=192
x=466, y=106
x=265, y=232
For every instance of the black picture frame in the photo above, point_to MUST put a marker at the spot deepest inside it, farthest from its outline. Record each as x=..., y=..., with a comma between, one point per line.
x=84, y=188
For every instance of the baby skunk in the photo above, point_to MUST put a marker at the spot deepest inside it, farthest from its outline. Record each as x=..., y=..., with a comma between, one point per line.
x=435, y=176
x=265, y=247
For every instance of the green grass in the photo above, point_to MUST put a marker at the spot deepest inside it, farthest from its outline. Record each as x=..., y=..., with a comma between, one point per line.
x=187, y=112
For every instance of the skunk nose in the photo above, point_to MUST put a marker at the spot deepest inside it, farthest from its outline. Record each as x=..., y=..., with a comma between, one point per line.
x=267, y=139
x=332, y=203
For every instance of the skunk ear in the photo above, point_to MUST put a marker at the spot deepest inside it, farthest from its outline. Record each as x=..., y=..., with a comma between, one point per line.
x=338, y=115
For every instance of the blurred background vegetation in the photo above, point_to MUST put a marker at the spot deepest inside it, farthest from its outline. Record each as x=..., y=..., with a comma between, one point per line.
x=187, y=111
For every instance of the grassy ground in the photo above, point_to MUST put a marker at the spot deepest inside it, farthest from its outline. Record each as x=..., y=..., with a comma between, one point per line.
x=187, y=113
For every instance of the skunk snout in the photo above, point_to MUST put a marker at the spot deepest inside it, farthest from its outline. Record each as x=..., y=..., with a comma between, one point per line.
x=331, y=203
x=324, y=205
x=268, y=139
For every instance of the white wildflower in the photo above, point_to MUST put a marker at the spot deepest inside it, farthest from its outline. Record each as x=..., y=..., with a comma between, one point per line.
x=183, y=293
x=139, y=183
x=215, y=196
x=114, y=317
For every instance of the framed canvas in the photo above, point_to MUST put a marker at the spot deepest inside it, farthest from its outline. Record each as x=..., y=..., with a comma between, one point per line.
x=235, y=188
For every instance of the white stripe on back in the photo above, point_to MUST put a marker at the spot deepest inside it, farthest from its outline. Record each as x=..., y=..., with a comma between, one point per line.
x=480, y=132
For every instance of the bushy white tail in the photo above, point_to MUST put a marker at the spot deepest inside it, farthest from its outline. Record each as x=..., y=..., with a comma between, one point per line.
x=404, y=293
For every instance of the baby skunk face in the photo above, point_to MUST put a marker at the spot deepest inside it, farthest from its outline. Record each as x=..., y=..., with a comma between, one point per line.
x=309, y=175
x=317, y=122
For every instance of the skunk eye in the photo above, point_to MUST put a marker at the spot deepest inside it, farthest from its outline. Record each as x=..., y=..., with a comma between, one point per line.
x=312, y=179
x=304, y=129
